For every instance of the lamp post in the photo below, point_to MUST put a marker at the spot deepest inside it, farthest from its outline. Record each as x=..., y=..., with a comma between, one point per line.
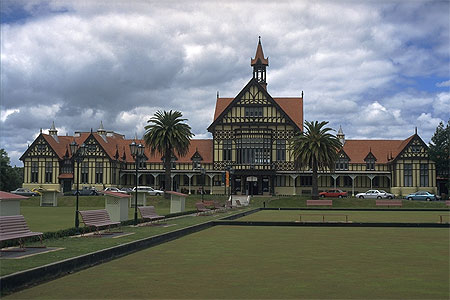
x=231, y=185
x=203, y=171
x=137, y=151
x=78, y=154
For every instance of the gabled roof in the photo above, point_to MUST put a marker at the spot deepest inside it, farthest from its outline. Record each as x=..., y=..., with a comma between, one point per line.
x=383, y=150
x=291, y=106
x=115, y=145
x=6, y=196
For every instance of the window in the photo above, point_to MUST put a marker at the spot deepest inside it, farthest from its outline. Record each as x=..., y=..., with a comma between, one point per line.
x=415, y=148
x=227, y=146
x=48, y=172
x=342, y=164
x=67, y=167
x=41, y=148
x=91, y=148
x=423, y=174
x=305, y=180
x=141, y=164
x=34, y=171
x=280, y=181
x=196, y=163
x=370, y=164
x=281, y=150
x=407, y=174
x=253, y=112
x=98, y=172
x=347, y=181
x=85, y=172
x=253, y=150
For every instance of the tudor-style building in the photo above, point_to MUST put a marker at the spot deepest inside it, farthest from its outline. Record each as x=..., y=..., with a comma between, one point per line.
x=251, y=137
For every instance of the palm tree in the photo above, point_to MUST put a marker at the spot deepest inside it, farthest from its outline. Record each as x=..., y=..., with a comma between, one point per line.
x=167, y=134
x=315, y=148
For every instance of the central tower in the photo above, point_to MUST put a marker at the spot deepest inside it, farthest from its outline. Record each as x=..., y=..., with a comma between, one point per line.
x=259, y=64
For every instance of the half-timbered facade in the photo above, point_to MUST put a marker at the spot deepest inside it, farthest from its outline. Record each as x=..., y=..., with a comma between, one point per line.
x=251, y=136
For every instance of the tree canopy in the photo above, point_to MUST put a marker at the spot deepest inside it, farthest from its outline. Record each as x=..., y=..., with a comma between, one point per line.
x=10, y=177
x=315, y=148
x=167, y=134
x=439, y=149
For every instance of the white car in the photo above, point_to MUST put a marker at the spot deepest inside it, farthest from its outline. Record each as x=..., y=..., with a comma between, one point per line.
x=375, y=194
x=151, y=191
x=114, y=189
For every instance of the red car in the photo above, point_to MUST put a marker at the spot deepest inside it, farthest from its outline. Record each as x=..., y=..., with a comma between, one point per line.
x=333, y=193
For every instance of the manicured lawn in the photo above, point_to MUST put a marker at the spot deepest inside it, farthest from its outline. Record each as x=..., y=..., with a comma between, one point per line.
x=271, y=262
x=353, y=216
x=78, y=246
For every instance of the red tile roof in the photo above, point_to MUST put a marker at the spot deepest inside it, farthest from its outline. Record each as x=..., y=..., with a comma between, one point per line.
x=383, y=150
x=117, y=144
x=7, y=196
x=292, y=106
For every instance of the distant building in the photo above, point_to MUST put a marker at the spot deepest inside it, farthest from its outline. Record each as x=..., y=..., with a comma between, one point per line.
x=251, y=136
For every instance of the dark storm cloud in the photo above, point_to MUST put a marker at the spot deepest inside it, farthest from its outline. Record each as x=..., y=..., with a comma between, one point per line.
x=81, y=62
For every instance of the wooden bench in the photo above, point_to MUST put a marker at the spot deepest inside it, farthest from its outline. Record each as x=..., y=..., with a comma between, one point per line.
x=149, y=213
x=388, y=203
x=97, y=218
x=201, y=209
x=319, y=202
x=15, y=227
x=208, y=204
x=219, y=207
x=447, y=202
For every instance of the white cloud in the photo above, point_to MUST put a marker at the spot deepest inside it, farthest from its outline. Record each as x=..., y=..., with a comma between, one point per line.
x=80, y=63
x=443, y=83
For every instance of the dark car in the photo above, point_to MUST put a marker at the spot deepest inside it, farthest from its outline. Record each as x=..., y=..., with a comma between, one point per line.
x=85, y=191
x=333, y=193
x=24, y=192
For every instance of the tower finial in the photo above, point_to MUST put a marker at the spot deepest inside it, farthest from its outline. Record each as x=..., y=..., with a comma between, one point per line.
x=259, y=38
x=416, y=130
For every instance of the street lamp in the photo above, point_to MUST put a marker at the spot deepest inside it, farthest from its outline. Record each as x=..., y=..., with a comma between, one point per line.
x=78, y=154
x=203, y=171
x=137, y=151
x=231, y=184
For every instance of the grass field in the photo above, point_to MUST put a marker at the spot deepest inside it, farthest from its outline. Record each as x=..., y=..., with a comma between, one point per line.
x=271, y=262
x=353, y=216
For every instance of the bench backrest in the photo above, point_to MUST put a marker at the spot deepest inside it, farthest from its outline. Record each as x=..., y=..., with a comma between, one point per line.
x=389, y=202
x=319, y=202
x=96, y=216
x=147, y=211
x=447, y=202
x=13, y=225
x=208, y=203
x=200, y=206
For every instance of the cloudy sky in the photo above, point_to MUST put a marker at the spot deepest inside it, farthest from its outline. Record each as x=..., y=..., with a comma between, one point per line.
x=378, y=68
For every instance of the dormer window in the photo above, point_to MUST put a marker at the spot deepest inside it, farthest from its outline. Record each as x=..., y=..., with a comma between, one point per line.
x=370, y=164
x=342, y=164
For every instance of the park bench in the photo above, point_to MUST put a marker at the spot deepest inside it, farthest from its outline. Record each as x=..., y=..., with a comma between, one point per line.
x=201, y=209
x=208, y=204
x=149, y=213
x=98, y=218
x=15, y=227
x=319, y=202
x=388, y=203
x=447, y=202
x=219, y=207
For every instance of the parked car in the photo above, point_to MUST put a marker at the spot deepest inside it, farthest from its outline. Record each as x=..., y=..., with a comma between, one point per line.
x=114, y=189
x=151, y=191
x=126, y=190
x=422, y=195
x=24, y=192
x=86, y=191
x=375, y=194
x=333, y=193
x=38, y=190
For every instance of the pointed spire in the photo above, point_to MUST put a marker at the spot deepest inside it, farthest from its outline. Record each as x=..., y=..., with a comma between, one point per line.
x=341, y=136
x=259, y=55
x=217, y=94
x=416, y=130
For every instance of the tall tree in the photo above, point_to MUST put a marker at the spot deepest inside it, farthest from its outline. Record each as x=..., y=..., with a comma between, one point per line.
x=315, y=148
x=439, y=150
x=167, y=134
x=10, y=178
